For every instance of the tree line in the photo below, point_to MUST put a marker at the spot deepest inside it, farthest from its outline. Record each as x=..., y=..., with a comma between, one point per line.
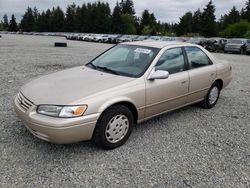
x=98, y=18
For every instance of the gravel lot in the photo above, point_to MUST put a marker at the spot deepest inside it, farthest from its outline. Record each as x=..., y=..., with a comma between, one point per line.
x=191, y=147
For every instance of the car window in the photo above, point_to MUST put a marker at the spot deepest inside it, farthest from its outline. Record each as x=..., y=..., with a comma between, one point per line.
x=172, y=61
x=196, y=57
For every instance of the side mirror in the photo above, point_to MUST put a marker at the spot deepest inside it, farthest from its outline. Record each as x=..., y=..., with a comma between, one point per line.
x=159, y=74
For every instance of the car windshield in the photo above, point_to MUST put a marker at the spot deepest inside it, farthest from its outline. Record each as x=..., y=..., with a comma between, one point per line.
x=125, y=60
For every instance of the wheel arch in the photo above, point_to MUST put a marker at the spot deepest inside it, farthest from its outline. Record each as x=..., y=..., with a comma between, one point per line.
x=124, y=102
x=220, y=81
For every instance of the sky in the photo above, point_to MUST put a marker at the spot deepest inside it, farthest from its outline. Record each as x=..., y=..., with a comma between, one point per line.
x=164, y=10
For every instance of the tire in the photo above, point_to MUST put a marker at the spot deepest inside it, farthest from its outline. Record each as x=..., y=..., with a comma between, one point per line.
x=212, y=96
x=108, y=134
x=60, y=44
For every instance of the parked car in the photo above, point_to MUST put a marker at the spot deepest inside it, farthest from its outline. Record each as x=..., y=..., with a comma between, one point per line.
x=236, y=46
x=89, y=38
x=154, y=38
x=165, y=38
x=112, y=38
x=215, y=44
x=128, y=84
x=100, y=38
x=123, y=38
x=248, y=47
x=140, y=38
x=198, y=41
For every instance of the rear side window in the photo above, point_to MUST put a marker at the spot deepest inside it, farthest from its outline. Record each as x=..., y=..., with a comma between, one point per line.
x=196, y=57
x=171, y=60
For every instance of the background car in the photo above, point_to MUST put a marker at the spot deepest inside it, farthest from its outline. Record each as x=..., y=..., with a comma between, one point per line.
x=236, y=46
x=248, y=47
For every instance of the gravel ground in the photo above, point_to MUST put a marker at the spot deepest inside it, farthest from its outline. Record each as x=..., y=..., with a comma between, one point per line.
x=190, y=147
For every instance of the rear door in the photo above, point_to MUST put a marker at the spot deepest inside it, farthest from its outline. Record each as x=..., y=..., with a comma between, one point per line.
x=166, y=94
x=202, y=73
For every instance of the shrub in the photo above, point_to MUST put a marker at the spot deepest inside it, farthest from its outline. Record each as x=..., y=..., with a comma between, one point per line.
x=237, y=30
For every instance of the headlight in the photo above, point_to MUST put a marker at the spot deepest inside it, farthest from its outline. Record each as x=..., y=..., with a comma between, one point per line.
x=62, y=111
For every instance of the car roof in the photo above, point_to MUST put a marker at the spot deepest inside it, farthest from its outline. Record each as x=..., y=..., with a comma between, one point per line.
x=157, y=44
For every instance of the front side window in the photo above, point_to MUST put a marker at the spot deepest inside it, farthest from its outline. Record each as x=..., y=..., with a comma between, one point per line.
x=172, y=61
x=125, y=60
x=196, y=57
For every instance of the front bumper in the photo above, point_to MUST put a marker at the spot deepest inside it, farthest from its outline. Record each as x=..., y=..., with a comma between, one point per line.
x=57, y=130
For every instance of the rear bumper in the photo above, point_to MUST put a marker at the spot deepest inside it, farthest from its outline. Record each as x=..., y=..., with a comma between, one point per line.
x=57, y=130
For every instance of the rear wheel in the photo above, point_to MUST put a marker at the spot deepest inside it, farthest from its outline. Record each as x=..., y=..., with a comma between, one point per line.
x=212, y=96
x=114, y=127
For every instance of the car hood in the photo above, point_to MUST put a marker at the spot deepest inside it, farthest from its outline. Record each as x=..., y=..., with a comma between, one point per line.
x=65, y=87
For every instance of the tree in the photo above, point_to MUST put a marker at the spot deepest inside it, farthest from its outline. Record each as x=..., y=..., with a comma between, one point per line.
x=35, y=15
x=101, y=21
x=28, y=21
x=80, y=20
x=233, y=16
x=128, y=24
x=245, y=14
x=1, y=26
x=196, y=22
x=116, y=26
x=148, y=23
x=208, y=21
x=70, y=18
x=13, y=24
x=57, y=20
x=185, y=25
x=5, y=22
x=236, y=30
x=127, y=7
x=42, y=22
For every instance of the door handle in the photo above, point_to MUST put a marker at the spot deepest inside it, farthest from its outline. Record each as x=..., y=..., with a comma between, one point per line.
x=183, y=82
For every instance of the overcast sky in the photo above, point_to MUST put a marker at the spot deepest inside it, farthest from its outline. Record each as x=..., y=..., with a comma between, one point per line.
x=164, y=10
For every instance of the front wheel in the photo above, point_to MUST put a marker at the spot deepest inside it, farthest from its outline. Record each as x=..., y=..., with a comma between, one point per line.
x=212, y=96
x=113, y=127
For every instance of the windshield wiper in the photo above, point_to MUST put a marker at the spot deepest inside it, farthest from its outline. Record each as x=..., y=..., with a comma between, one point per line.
x=92, y=65
x=107, y=69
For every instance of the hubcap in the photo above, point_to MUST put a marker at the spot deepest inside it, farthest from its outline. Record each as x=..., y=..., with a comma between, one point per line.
x=213, y=95
x=117, y=128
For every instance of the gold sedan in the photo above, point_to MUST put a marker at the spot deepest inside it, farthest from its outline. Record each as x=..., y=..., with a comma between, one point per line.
x=127, y=84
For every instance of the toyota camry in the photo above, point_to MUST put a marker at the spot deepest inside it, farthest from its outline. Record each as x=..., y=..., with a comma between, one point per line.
x=127, y=84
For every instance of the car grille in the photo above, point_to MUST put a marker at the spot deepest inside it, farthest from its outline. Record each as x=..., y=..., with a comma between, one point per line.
x=23, y=102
